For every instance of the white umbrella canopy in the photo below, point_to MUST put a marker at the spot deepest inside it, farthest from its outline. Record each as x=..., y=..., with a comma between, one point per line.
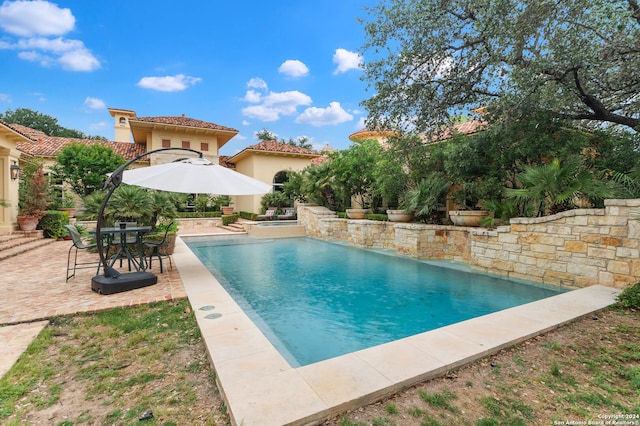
x=195, y=176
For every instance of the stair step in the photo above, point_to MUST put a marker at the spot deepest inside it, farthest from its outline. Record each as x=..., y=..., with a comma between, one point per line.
x=6, y=253
x=233, y=227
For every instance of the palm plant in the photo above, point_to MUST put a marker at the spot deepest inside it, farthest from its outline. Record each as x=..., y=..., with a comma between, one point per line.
x=427, y=197
x=559, y=185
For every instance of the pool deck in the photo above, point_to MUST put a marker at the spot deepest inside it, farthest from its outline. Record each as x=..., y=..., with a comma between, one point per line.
x=261, y=388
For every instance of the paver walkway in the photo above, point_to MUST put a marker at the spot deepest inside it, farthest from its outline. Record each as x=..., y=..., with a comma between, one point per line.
x=34, y=288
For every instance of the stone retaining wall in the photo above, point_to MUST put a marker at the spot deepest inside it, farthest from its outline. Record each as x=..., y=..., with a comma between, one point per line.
x=574, y=248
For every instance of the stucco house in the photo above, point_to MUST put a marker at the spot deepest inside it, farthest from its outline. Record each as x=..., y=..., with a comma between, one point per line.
x=268, y=161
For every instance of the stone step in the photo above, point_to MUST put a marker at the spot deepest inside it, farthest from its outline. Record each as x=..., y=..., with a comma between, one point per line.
x=233, y=227
x=26, y=245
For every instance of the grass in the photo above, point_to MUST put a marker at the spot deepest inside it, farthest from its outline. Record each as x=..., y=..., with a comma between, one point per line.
x=109, y=368
x=581, y=370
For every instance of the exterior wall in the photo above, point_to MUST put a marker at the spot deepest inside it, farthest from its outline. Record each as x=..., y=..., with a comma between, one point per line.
x=8, y=187
x=577, y=248
x=264, y=167
x=154, y=141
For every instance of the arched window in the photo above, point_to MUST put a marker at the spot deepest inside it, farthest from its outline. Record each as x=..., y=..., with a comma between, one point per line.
x=278, y=180
x=123, y=120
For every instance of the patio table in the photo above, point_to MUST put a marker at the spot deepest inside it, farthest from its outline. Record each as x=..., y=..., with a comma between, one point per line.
x=119, y=235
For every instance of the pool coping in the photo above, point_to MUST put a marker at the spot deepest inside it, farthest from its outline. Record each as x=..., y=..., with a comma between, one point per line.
x=261, y=388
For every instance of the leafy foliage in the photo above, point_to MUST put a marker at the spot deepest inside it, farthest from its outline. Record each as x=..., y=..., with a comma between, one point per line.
x=559, y=186
x=353, y=171
x=301, y=141
x=45, y=123
x=85, y=167
x=274, y=199
x=33, y=193
x=427, y=197
x=575, y=59
x=52, y=224
x=630, y=297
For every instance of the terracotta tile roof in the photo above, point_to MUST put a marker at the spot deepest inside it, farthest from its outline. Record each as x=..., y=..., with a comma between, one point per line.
x=224, y=162
x=275, y=146
x=32, y=134
x=468, y=127
x=49, y=146
x=183, y=121
x=371, y=134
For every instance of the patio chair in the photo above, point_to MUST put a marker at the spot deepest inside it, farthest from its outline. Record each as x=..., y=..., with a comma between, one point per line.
x=289, y=214
x=156, y=249
x=270, y=214
x=79, y=243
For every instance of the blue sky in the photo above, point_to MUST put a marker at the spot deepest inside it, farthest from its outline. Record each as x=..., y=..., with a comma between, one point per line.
x=290, y=66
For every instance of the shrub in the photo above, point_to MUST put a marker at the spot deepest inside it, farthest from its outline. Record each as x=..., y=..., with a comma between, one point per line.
x=230, y=218
x=185, y=215
x=249, y=215
x=630, y=297
x=52, y=224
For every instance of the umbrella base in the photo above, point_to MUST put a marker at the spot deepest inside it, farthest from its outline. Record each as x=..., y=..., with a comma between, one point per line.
x=123, y=282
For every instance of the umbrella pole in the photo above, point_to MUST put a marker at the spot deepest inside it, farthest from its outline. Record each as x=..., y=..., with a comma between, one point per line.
x=113, y=281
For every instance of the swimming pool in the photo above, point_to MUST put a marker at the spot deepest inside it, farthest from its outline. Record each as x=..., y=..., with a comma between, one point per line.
x=316, y=300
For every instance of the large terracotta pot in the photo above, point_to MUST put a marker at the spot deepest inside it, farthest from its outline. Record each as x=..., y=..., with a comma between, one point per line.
x=399, y=216
x=357, y=213
x=28, y=223
x=227, y=210
x=71, y=211
x=467, y=217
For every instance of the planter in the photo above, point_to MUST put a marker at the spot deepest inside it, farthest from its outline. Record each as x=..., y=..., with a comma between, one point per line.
x=357, y=213
x=227, y=210
x=399, y=216
x=467, y=217
x=28, y=223
x=70, y=211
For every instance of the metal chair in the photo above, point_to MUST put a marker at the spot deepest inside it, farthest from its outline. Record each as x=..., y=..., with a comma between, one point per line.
x=79, y=243
x=155, y=247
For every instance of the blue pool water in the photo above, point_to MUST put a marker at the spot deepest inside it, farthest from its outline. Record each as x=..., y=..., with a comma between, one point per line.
x=315, y=300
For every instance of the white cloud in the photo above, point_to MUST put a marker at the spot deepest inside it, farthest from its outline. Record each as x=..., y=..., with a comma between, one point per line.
x=5, y=98
x=257, y=83
x=252, y=96
x=346, y=60
x=276, y=104
x=96, y=127
x=332, y=115
x=34, y=22
x=361, y=123
x=94, y=103
x=169, y=83
x=28, y=18
x=245, y=123
x=293, y=68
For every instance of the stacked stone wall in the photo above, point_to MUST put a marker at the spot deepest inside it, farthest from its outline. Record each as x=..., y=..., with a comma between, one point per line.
x=578, y=248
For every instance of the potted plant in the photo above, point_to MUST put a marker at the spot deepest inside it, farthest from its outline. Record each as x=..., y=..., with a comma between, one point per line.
x=427, y=197
x=33, y=200
x=467, y=197
x=67, y=204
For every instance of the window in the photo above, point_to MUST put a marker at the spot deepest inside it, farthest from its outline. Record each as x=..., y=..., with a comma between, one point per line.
x=166, y=143
x=123, y=120
x=186, y=144
x=204, y=146
x=278, y=180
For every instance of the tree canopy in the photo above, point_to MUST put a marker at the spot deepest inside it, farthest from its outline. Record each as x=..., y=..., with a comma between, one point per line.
x=85, y=167
x=300, y=141
x=430, y=59
x=43, y=122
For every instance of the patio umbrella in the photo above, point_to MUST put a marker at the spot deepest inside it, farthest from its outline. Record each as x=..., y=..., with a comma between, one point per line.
x=195, y=176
